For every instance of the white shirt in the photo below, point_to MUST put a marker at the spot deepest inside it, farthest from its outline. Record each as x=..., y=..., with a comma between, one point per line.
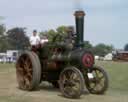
x=35, y=40
x=43, y=41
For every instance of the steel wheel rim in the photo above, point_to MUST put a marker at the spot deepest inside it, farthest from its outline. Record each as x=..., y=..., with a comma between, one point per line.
x=24, y=71
x=70, y=83
x=98, y=82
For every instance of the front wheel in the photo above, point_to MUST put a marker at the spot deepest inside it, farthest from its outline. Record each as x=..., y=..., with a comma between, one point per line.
x=98, y=81
x=71, y=82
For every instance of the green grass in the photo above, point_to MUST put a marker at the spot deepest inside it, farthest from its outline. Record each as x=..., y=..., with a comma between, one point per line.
x=117, y=71
x=118, y=75
x=6, y=67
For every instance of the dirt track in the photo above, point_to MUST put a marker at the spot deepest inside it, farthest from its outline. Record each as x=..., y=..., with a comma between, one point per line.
x=46, y=93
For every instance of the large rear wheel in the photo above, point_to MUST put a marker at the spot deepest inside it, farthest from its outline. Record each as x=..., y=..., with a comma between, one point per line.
x=71, y=82
x=28, y=71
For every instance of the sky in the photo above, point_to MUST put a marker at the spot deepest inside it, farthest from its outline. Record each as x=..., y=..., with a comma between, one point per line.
x=106, y=21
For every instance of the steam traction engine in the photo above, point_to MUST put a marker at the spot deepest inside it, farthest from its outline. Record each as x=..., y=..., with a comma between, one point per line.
x=65, y=64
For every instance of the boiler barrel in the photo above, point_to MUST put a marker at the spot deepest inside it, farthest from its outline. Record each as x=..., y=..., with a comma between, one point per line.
x=76, y=57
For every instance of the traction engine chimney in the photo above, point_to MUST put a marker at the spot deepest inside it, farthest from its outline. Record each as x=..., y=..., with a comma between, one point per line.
x=79, y=19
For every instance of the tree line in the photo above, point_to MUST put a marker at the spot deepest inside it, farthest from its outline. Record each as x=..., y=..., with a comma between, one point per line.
x=17, y=39
x=13, y=39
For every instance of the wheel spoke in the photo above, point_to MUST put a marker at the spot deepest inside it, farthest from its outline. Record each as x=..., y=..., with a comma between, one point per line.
x=67, y=90
x=27, y=83
x=96, y=72
x=20, y=69
x=76, y=87
x=27, y=62
x=27, y=59
x=100, y=78
x=22, y=82
x=64, y=78
x=71, y=76
x=74, y=76
x=92, y=85
x=29, y=76
x=68, y=74
x=98, y=87
x=76, y=79
x=22, y=60
x=29, y=70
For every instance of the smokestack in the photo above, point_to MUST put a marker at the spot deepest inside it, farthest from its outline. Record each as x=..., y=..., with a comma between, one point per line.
x=79, y=18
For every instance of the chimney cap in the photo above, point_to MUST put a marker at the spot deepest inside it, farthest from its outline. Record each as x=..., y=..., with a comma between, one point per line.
x=79, y=13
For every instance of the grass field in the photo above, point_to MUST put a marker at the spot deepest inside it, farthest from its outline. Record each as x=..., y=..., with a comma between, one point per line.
x=117, y=92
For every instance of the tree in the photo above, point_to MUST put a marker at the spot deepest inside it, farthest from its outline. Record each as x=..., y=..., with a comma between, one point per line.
x=62, y=30
x=102, y=49
x=88, y=45
x=2, y=30
x=17, y=38
x=50, y=33
x=126, y=47
x=3, y=42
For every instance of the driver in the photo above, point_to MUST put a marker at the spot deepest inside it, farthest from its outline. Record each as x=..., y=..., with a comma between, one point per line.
x=34, y=40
